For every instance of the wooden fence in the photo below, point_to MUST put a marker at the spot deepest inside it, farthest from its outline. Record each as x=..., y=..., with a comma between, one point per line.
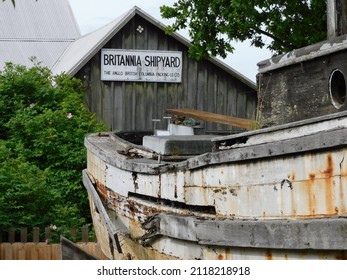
x=23, y=245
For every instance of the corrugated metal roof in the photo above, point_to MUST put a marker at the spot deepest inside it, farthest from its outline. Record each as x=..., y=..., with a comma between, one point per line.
x=79, y=52
x=21, y=52
x=83, y=49
x=36, y=28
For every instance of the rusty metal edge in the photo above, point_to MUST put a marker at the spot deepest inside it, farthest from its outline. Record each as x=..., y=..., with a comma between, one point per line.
x=314, y=142
x=112, y=231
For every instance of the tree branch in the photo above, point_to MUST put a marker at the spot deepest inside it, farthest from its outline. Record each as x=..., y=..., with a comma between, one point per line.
x=278, y=40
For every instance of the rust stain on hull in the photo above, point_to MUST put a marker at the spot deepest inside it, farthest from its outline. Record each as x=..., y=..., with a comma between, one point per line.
x=323, y=183
x=329, y=185
x=269, y=255
x=128, y=212
x=301, y=185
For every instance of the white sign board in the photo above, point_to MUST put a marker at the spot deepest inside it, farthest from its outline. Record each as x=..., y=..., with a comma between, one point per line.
x=141, y=65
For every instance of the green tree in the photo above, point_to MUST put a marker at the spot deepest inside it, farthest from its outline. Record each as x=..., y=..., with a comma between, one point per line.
x=43, y=122
x=214, y=24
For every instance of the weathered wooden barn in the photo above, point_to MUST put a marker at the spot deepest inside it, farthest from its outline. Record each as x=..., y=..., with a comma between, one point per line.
x=133, y=71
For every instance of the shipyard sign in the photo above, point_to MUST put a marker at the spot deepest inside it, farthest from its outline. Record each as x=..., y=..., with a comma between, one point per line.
x=141, y=66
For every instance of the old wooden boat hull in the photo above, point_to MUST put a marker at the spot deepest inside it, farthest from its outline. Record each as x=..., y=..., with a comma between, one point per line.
x=275, y=193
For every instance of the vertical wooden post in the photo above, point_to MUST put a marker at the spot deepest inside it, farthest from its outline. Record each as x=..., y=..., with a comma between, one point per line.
x=336, y=18
x=73, y=232
x=11, y=235
x=36, y=234
x=24, y=235
x=342, y=18
x=85, y=234
x=331, y=19
x=47, y=233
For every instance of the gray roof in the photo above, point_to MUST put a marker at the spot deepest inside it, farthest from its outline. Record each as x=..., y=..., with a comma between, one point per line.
x=83, y=49
x=304, y=54
x=41, y=29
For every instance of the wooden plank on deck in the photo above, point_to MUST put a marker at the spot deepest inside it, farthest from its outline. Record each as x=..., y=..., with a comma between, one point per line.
x=212, y=117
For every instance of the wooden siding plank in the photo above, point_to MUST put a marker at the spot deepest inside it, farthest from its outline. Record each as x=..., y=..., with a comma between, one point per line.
x=211, y=96
x=19, y=251
x=140, y=106
x=252, y=102
x=44, y=251
x=128, y=41
x=151, y=106
x=192, y=83
x=232, y=98
x=171, y=101
x=118, y=106
x=133, y=106
x=161, y=105
x=221, y=99
x=112, y=107
x=182, y=88
x=96, y=88
x=56, y=252
x=126, y=113
x=152, y=37
x=107, y=103
x=241, y=104
x=201, y=88
x=32, y=252
x=7, y=252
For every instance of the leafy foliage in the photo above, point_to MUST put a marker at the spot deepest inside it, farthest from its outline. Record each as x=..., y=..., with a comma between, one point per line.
x=43, y=122
x=214, y=24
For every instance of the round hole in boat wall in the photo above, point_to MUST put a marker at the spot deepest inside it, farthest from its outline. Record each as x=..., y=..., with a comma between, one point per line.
x=337, y=88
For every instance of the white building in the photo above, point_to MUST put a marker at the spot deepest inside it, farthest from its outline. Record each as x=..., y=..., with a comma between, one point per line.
x=40, y=29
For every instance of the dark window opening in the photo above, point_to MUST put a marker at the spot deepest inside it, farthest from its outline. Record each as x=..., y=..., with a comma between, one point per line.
x=337, y=88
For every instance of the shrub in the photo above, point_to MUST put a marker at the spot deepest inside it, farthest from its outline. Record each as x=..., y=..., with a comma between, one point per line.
x=43, y=122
